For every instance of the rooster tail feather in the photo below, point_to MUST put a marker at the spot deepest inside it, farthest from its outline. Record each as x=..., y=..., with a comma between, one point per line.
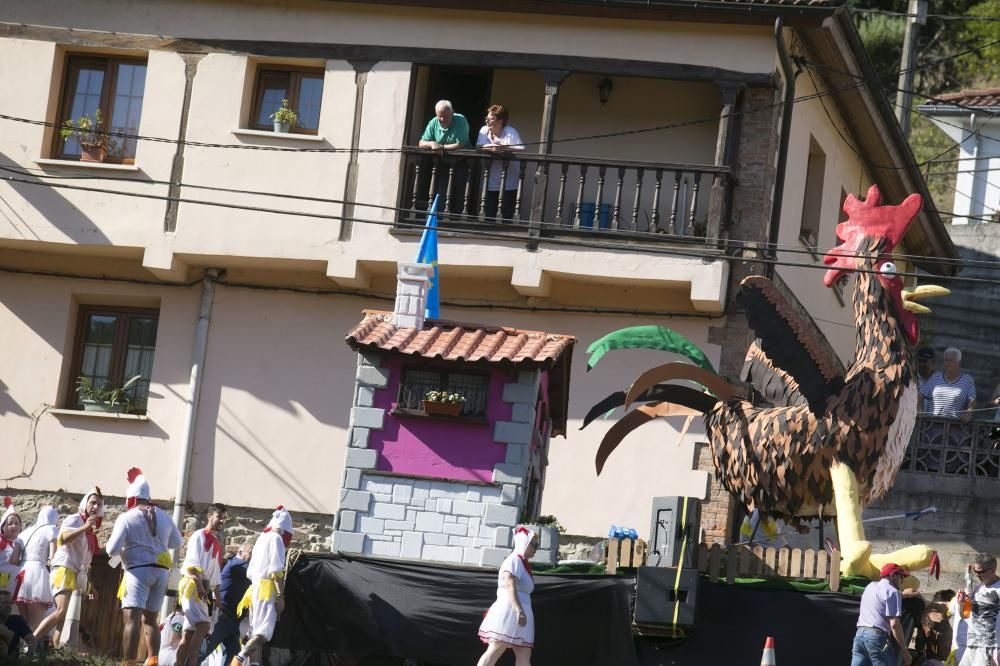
x=647, y=337
x=640, y=416
x=682, y=399
x=722, y=389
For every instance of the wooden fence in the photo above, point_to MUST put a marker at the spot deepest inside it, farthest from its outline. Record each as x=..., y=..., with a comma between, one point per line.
x=731, y=562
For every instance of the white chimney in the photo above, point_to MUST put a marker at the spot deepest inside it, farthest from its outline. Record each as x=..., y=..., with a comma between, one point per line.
x=412, y=282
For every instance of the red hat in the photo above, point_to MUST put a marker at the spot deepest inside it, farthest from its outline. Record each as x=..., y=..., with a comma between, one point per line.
x=890, y=569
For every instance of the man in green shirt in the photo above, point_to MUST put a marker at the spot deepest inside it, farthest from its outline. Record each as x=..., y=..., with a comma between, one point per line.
x=446, y=129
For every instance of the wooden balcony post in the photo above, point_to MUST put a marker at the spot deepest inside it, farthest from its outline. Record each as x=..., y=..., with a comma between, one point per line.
x=361, y=69
x=553, y=79
x=725, y=153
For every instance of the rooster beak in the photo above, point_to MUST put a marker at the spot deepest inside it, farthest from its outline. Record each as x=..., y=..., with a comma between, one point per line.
x=922, y=292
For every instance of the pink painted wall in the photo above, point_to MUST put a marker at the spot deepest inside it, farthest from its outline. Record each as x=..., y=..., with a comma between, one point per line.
x=438, y=448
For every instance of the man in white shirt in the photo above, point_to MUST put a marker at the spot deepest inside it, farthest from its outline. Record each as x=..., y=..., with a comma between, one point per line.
x=199, y=588
x=142, y=537
x=267, y=584
x=984, y=625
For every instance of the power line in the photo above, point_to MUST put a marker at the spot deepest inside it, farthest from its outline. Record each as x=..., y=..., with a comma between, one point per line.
x=728, y=244
x=943, y=17
x=697, y=253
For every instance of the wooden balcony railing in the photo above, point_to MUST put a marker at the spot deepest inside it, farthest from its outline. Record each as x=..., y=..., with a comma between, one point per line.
x=551, y=195
x=949, y=447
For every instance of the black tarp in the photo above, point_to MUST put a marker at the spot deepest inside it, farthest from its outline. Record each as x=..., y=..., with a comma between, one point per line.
x=363, y=609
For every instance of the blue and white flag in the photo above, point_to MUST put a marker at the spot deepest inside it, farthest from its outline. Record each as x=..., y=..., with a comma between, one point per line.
x=428, y=254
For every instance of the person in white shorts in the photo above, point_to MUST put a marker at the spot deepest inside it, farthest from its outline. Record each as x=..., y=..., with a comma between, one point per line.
x=266, y=595
x=76, y=544
x=142, y=537
x=198, y=591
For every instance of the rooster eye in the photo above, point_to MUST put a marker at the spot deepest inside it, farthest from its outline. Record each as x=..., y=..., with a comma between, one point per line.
x=888, y=268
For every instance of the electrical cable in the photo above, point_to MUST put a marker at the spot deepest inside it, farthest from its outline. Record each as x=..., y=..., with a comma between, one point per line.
x=727, y=244
x=491, y=235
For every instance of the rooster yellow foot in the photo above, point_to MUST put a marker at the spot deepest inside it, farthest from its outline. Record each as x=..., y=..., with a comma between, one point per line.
x=857, y=559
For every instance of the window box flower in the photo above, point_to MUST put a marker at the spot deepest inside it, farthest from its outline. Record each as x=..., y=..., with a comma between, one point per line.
x=442, y=403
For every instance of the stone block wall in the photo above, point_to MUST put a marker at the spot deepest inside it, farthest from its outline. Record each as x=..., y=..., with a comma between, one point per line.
x=312, y=530
x=461, y=522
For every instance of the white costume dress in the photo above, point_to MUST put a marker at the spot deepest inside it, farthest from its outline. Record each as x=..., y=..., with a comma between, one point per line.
x=143, y=537
x=8, y=571
x=202, y=561
x=71, y=563
x=33, y=581
x=500, y=624
x=267, y=564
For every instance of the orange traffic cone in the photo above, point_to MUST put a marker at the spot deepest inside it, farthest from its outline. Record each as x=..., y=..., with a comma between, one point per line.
x=767, y=659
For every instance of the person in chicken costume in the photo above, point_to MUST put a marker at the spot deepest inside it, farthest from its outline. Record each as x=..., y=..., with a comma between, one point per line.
x=142, y=537
x=32, y=592
x=76, y=544
x=198, y=591
x=10, y=546
x=266, y=572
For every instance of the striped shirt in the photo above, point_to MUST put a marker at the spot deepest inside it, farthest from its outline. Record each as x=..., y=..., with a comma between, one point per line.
x=949, y=399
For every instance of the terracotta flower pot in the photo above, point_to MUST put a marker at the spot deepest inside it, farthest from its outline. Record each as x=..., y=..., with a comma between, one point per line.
x=442, y=408
x=92, y=153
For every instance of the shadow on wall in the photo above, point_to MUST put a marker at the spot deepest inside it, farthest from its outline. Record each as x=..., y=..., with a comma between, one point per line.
x=273, y=349
x=7, y=403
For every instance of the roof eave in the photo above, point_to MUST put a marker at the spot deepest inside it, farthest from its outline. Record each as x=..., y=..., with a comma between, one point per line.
x=870, y=112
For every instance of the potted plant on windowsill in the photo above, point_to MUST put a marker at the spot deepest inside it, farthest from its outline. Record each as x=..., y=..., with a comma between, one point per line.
x=106, y=398
x=284, y=118
x=89, y=133
x=442, y=403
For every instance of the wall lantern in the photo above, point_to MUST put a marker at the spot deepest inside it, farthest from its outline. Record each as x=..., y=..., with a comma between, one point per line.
x=604, y=89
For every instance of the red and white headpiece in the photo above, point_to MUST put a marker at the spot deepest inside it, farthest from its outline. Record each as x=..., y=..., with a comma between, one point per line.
x=522, y=537
x=138, y=487
x=8, y=511
x=281, y=520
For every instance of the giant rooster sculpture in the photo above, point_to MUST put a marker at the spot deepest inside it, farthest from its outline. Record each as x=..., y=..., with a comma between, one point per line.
x=818, y=442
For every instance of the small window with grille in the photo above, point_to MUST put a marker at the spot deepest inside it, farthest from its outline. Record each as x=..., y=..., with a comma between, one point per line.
x=417, y=382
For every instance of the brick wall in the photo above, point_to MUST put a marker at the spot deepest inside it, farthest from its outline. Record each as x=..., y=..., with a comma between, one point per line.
x=754, y=164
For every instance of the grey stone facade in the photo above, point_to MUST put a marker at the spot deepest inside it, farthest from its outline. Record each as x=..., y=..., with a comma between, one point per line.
x=461, y=522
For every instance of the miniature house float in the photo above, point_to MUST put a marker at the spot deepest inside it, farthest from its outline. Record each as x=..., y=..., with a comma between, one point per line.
x=419, y=484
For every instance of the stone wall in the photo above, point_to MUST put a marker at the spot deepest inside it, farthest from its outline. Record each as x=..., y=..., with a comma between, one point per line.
x=441, y=520
x=312, y=531
x=967, y=318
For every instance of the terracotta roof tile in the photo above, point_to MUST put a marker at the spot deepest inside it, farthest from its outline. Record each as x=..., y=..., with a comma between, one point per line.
x=984, y=98
x=455, y=341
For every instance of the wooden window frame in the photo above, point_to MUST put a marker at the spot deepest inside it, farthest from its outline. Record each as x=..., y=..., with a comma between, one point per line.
x=295, y=75
x=73, y=64
x=444, y=372
x=811, y=222
x=119, y=345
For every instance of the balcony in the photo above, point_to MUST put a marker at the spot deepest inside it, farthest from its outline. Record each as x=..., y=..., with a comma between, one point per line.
x=553, y=196
x=953, y=449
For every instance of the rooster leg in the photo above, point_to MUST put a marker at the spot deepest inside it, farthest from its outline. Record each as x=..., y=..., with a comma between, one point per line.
x=855, y=552
x=857, y=558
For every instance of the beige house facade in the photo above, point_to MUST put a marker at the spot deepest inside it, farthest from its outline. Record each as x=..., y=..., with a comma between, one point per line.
x=670, y=151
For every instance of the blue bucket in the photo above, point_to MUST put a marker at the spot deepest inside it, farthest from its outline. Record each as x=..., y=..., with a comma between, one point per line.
x=587, y=216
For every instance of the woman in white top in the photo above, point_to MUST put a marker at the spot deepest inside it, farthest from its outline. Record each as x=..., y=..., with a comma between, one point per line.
x=510, y=623
x=32, y=592
x=499, y=138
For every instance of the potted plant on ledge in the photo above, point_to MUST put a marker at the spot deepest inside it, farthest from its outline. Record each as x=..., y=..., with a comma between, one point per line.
x=106, y=398
x=442, y=403
x=284, y=118
x=89, y=133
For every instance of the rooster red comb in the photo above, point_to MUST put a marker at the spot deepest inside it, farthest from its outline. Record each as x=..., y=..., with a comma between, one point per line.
x=521, y=530
x=7, y=501
x=868, y=219
x=133, y=473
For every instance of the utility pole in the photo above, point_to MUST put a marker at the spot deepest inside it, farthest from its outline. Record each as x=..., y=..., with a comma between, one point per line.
x=917, y=10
